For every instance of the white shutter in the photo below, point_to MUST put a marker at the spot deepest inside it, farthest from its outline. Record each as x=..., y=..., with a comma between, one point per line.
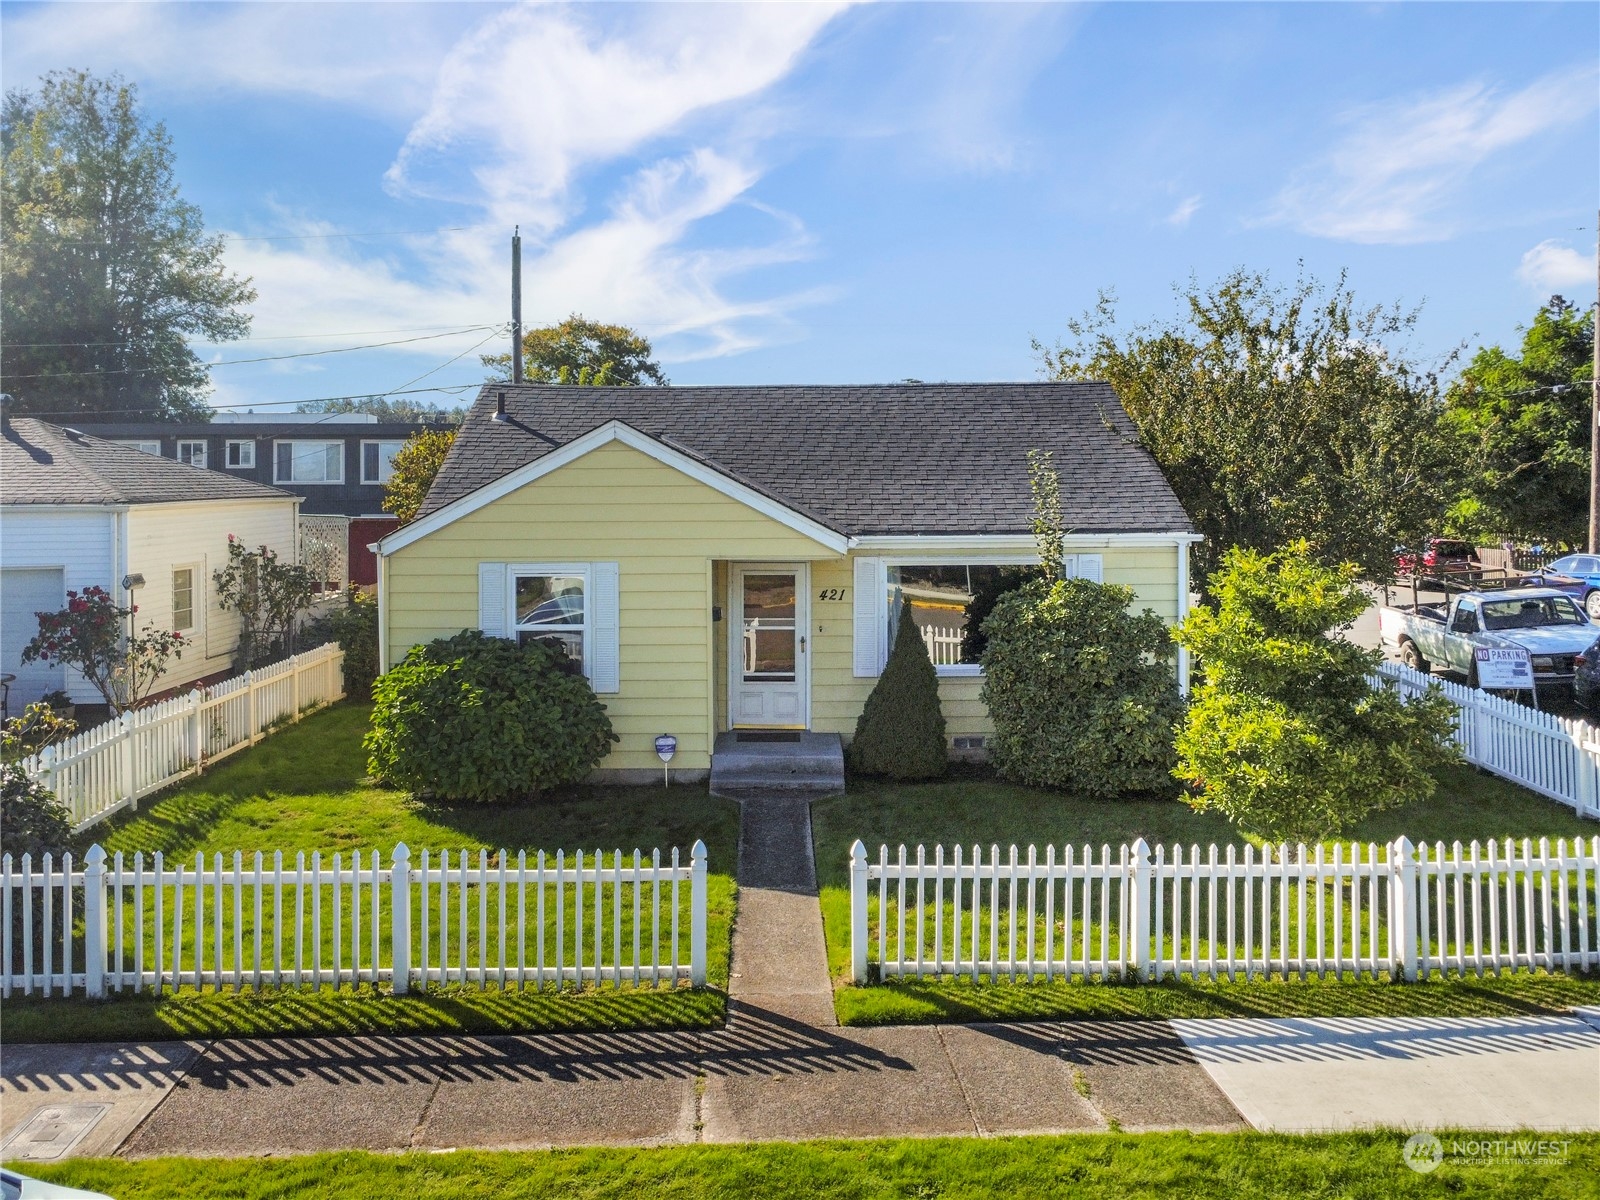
x=603, y=654
x=1091, y=567
x=1069, y=566
x=869, y=618
x=492, y=617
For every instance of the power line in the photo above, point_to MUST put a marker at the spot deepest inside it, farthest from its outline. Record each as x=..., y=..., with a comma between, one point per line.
x=234, y=362
x=277, y=337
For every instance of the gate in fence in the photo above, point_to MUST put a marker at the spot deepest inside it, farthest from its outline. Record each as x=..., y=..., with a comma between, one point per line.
x=474, y=920
x=1399, y=909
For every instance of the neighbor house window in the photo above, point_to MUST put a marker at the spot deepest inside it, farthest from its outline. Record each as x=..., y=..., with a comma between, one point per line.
x=183, y=599
x=147, y=446
x=241, y=454
x=309, y=462
x=192, y=452
x=551, y=609
x=948, y=605
x=377, y=460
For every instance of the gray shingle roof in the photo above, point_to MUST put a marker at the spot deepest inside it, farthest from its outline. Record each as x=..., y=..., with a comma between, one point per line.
x=893, y=459
x=42, y=463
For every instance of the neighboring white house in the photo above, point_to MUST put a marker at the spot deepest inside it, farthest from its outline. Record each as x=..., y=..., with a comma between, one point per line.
x=77, y=510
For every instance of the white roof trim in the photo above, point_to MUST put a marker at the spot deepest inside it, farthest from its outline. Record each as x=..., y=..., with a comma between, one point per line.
x=1022, y=542
x=614, y=431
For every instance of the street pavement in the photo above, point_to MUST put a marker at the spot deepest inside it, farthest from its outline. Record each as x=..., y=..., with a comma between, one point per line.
x=781, y=1069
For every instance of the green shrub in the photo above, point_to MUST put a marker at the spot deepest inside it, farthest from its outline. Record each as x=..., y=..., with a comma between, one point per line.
x=355, y=628
x=900, y=732
x=32, y=820
x=483, y=719
x=1081, y=691
x=1285, y=735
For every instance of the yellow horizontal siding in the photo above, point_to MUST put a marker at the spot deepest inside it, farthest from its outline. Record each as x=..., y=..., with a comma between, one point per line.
x=665, y=530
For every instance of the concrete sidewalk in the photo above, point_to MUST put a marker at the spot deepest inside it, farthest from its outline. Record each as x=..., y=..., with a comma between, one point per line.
x=782, y=1069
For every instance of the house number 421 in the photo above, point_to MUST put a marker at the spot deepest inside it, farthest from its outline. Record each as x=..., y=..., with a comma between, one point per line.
x=831, y=594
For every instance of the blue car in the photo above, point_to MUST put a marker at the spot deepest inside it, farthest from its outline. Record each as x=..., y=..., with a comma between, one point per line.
x=1579, y=576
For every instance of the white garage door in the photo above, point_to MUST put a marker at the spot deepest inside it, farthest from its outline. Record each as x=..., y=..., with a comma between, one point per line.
x=23, y=593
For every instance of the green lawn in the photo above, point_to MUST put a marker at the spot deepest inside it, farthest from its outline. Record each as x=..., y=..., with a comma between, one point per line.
x=973, y=807
x=1075, y=1166
x=305, y=789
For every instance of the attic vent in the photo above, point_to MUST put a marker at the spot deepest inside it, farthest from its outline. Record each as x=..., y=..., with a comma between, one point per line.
x=969, y=743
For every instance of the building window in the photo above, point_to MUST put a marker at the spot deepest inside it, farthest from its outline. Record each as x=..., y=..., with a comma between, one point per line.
x=550, y=609
x=147, y=446
x=377, y=460
x=241, y=454
x=192, y=452
x=309, y=462
x=183, y=599
x=948, y=604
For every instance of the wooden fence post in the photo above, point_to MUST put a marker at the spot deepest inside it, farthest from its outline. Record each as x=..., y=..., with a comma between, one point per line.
x=859, y=933
x=400, y=919
x=47, y=771
x=1402, y=909
x=94, y=924
x=196, y=732
x=1139, y=930
x=250, y=704
x=697, y=915
x=294, y=687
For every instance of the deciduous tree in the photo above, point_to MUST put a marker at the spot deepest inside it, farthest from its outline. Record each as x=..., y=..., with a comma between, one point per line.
x=580, y=351
x=108, y=272
x=412, y=471
x=1521, y=425
x=1278, y=413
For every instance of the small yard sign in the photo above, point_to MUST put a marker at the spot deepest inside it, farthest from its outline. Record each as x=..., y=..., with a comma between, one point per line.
x=666, y=747
x=1506, y=668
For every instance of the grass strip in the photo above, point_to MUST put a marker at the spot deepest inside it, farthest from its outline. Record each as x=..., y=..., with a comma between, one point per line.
x=1082, y=1166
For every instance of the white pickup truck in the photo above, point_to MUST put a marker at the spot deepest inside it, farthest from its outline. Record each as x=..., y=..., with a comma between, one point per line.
x=1543, y=621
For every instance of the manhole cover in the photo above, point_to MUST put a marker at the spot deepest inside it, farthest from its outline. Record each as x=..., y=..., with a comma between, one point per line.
x=53, y=1130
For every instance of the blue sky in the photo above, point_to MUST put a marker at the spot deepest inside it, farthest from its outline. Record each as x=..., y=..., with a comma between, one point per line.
x=811, y=193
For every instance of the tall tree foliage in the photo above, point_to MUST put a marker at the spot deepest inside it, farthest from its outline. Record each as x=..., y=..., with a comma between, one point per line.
x=1521, y=423
x=412, y=471
x=108, y=271
x=580, y=351
x=1277, y=413
x=388, y=408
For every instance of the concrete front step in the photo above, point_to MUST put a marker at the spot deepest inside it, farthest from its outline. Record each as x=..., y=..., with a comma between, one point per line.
x=747, y=761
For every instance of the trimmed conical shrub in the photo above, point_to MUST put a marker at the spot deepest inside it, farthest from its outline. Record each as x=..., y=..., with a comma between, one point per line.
x=901, y=730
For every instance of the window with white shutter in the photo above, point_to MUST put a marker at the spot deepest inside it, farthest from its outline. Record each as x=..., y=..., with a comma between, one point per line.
x=604, y=660
x=492, y=599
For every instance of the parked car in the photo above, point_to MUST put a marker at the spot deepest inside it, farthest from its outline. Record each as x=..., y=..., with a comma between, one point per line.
x=1544, y=622
x=1586, y=677
x=1441, y=555
x=1579, y=576
x=14, y=1186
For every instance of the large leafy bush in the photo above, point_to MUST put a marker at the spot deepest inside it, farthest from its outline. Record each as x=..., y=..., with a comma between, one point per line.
x=355, y=628
x=483, y=719
x=900, y=732
x=1286, y=735
x=1082, y=691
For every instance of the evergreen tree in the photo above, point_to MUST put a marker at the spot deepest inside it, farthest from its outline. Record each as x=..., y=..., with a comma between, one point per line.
x=900, y=733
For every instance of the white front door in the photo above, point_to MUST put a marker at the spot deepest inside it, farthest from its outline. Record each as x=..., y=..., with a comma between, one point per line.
x=769, y=660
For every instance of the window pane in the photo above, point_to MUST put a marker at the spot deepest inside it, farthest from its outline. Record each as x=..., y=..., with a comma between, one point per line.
x=549, y=600
x=183, y=599
x=767, y=596
x=949, y=604
x=333, y=461
x=285, y=466
x=369, y=462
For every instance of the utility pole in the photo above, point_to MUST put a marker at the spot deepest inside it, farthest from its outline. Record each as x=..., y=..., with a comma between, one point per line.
x=516, y=306
x=1594, y=414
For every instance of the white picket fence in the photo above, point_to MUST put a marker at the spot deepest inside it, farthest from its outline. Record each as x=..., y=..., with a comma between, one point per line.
x=559, y=920
x=943, y=643
x=1554, y=756
x=1398, y=909
x=108, y=768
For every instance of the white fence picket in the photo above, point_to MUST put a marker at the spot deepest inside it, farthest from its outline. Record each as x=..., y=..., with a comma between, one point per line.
x=1554, y=756
x=1398, y=910
x=226, y=925
x=110, y=767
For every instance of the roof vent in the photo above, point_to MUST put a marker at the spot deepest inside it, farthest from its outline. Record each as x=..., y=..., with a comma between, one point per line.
x=500, y=417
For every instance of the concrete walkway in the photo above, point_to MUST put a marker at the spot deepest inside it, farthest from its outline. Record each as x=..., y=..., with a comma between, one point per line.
x=782, y=1069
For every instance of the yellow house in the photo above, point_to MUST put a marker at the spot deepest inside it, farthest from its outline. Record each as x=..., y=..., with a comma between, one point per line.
x=729, y=558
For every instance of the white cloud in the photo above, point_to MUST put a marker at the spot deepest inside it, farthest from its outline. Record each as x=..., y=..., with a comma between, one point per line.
x=1552, y=266
x=1185, y=211
x=1393, y=176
